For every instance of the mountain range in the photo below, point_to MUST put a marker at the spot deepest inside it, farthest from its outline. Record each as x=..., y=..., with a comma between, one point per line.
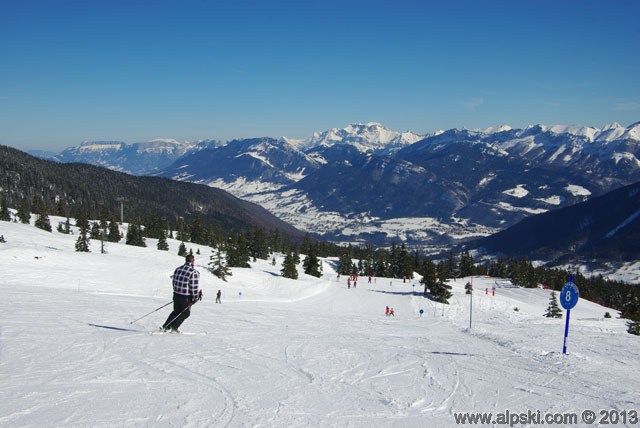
x=365, y=182
x=78, y=188
x=600, y=233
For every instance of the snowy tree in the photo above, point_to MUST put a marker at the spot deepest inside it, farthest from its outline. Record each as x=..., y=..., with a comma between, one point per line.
x=218, y=265
x=162, y=242
x=66, y=229
x=23, y=211
x=82, y=243
x=182, y=250
x=441, y=291
x=428, y=272
x=345, y=265
x=4, y=210
x=134, y=235
x=42, y=220
x=114, y=231
x=289, y=269
x=312, y=265
x=95, y=232
x=467, y=267
x=553, y=310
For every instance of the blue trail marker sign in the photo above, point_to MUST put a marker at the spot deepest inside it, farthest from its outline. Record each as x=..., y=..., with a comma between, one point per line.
x=568, y=299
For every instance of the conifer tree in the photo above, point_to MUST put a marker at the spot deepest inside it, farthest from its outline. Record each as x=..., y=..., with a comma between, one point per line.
x=82, y=243
x=95, y=232
x=218, y=265
x=82, y=221
x=237, y=251
x=428, y=272
x=467, y=267
x=23, y=211
x=311, y=264
x=441, y=291
x=345, y=264
x=162, y=242
x=42, y=220
x=289, y=269
x=114, y=231
x=553, y=310
x=182, y=250
x=631, y=311
x=134, y=235
x=4, y=209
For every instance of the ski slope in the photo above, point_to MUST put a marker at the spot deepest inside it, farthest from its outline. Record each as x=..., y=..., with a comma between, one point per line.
x=283, y=353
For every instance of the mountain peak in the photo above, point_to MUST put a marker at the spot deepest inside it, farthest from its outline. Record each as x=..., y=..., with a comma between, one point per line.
x=366, y=137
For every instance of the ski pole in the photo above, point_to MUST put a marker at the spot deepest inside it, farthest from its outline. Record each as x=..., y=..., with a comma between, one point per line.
x=151, y=312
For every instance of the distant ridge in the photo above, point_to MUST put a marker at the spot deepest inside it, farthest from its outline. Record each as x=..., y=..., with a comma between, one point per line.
x=89, y=188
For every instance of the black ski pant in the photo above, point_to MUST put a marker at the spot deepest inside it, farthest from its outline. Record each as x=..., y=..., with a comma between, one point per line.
x=181, y=311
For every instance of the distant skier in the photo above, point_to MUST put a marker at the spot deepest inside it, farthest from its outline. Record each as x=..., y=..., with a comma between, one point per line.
x=186, y=293
x=392, y=312
x=218, y=296
x=387, y=311
x=369, y=280
x=349, y=282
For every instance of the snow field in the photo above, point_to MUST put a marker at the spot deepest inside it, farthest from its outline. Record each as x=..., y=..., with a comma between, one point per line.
x=279, y=352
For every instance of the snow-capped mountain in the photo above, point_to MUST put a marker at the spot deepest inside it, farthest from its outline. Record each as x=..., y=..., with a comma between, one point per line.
x=367, y=137
x=141, y=158
x=365, y=182
x=246, y=166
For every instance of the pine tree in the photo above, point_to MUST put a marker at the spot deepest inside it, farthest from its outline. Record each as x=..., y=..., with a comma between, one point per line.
x=182, y=250
x=553, y=310
x=441, y=291
x=134, y=235
x=311, y=264
x=237, y=251
x=95, y=232
x=345, y=263
x=114, y=231
x=631, y=311
x=162, y=242
x=23, y=211
x=428, y=272
x=467, y=267
x=218, y=265
x=42, y=220
x=82, y=243
x=289, y=269
x=4, y=209
x=82, y=221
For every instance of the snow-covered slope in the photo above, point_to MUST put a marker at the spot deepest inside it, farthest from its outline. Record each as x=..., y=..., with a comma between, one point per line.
x=283, y=353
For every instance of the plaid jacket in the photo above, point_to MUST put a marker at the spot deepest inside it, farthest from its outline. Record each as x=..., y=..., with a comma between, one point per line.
x=186, y=281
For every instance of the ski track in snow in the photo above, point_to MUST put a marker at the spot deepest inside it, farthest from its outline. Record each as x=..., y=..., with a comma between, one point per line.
x=283, y=353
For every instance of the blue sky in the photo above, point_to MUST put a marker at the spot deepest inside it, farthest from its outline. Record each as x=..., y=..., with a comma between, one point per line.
x=136, y=70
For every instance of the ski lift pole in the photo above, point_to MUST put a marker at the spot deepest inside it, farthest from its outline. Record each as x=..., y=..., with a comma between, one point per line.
x=151, y=312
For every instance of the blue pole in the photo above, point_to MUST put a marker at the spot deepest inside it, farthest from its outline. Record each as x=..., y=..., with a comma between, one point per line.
x=566, y=332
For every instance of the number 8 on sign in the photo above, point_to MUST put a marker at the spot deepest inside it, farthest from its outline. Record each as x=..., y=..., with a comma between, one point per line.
x=569, y=295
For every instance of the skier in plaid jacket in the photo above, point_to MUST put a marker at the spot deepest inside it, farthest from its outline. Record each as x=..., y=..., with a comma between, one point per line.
x=186, y=292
